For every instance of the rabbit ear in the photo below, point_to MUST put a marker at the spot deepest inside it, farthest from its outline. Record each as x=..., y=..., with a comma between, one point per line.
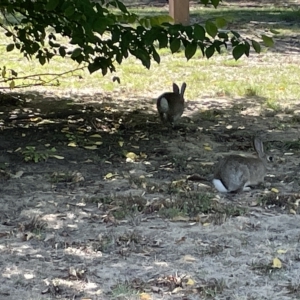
x=258, y=146
x=175, y=88
x=183, y=87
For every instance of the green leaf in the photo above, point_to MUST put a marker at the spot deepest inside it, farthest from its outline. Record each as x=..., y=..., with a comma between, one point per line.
x=79, y=58
x=42, y=60
x=52, y=4
x=268, y=41
x=130, y=19
x=122, y=7
x=223, y=35
x=221, y=22
x=215, y=3
x=164, y=19
x=247, y=48
x=211, y=28
x=104, y=71
x=175, y=45
x=119, y=57
x=76, y=52
x=274, y=31
x=236, y=34
x=190, y=50
x=199, y=32
x=238, y=51
x=35, y=47
x=62, y=51
x=217, y=45
x=158, y=20
x=155, y=55
x=256, y=46
x=10, y=47
x=69, y=11
x=143, y=56
x=94, y=66
x=162, y=40
x=54, y=45
x=101, y=24
x=209, y=52
x=145, y=22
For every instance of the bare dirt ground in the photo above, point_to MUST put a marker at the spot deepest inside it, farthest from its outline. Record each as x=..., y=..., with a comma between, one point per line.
x=122, y=222
x=100, y=225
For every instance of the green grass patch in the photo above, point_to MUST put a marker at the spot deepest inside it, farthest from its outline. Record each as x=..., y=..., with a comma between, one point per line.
x=268, y=76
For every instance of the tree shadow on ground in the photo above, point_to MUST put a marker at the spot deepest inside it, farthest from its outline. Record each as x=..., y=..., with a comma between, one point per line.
x=92, y=201
x=49, y=120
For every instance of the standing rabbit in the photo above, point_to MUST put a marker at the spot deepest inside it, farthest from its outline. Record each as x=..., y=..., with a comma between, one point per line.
x=237, y=173
x=170, y=105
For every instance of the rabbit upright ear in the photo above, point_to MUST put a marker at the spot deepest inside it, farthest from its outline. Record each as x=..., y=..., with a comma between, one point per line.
x=258, y=146
x=183, y=87
x=175, y=88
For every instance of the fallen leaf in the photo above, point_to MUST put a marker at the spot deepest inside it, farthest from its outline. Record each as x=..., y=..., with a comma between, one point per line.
x=277, y=263
x=207, y=148
x=109, y=175
x=190, y=282
x=17, y=175
x=96, y=135
x=292, y=211
x=35, y=119
x=180, y=219
x=144, y=296
x=189, y=258
x=131, y=155
x=177, y=290
x=98, y=143
x=72, y=144
x=42, y=122
x=274, y=190
x=121, y=143
x=88, y=161
x=57, y=156
x=94, y=147
x=281, y=251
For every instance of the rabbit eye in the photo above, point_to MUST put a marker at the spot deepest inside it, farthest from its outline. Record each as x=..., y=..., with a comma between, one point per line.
x=270, y=158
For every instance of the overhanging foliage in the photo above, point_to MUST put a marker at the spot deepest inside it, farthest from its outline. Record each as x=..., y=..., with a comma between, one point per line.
x=103, y=33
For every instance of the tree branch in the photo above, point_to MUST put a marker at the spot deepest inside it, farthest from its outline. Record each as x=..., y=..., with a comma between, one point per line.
x=33, y=77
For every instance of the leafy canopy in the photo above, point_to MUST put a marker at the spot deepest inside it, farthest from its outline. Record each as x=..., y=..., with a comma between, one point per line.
x=103, y=33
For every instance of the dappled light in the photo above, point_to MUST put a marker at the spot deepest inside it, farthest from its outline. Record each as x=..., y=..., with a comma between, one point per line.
x=102, y=199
